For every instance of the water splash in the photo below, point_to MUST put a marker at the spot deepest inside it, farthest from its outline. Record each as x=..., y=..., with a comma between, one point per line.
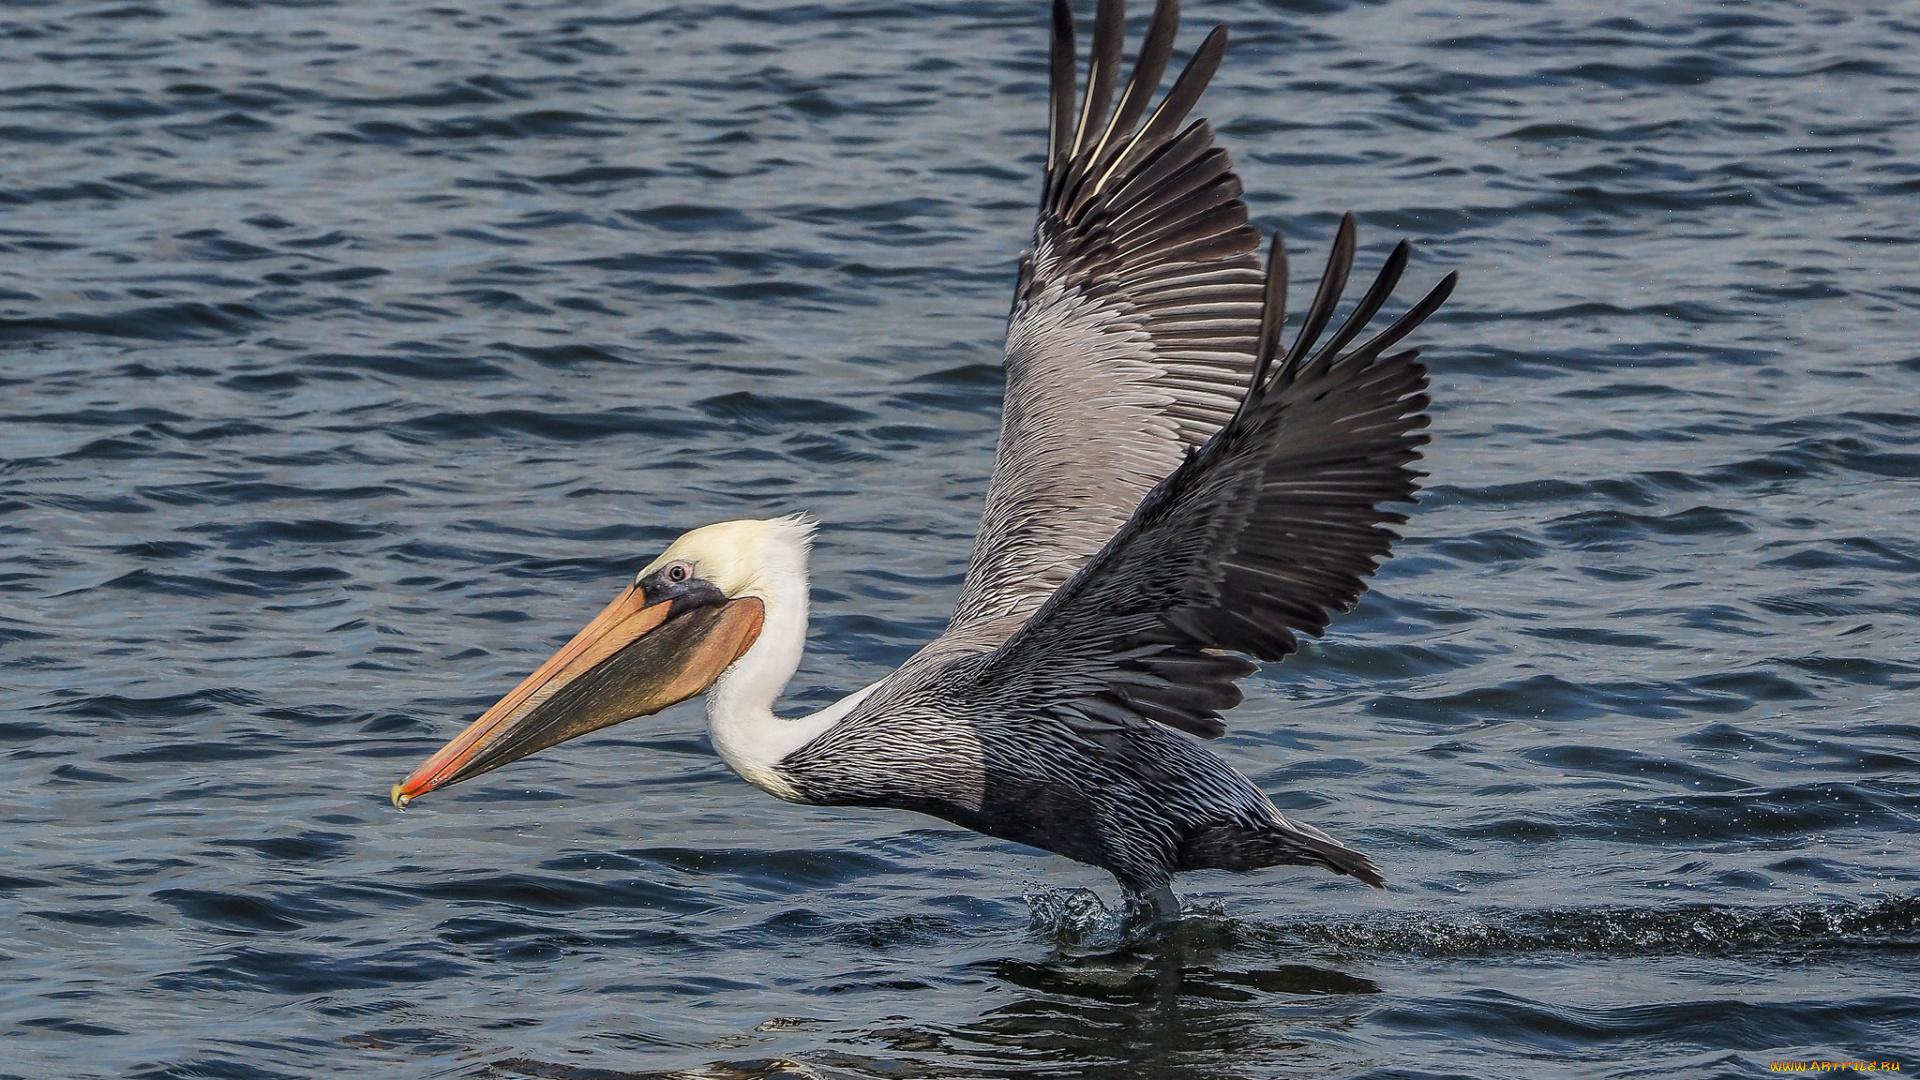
x=1077, y=919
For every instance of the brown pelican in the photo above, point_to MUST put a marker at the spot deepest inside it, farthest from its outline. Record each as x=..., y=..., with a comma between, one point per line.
x=1173, y=492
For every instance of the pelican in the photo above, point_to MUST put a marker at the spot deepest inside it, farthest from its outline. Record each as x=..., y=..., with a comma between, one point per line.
x=1175, y=495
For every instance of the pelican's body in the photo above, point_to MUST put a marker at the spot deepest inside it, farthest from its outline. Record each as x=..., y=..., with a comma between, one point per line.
x=1170, y=489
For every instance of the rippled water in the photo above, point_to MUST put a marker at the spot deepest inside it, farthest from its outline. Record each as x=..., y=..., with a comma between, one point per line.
x=354, y=354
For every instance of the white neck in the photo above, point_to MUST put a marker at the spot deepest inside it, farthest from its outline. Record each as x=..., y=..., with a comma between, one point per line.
x=740, y=719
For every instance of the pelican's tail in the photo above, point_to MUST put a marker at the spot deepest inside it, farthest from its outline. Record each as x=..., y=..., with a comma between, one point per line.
x=1278, y=843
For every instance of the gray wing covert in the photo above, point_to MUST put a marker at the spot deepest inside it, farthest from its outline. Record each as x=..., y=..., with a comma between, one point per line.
x=1262, y=534
x=1133, y=325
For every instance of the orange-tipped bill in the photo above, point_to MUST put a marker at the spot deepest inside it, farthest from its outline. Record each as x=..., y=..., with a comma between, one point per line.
x=634, y=659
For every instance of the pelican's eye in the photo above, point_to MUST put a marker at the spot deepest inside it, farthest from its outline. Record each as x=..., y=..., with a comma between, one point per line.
x=678, y=572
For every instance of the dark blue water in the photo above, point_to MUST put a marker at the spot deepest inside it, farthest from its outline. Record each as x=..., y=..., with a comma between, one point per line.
x=351, y=355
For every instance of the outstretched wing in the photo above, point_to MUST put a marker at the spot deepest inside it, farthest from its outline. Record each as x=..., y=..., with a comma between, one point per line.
x=1134, y=320
x=1262, y=534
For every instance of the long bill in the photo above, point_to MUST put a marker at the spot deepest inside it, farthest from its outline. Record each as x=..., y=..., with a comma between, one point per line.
x=634, y=659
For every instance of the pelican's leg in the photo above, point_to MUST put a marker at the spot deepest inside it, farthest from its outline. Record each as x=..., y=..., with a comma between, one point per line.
x=1157, y=906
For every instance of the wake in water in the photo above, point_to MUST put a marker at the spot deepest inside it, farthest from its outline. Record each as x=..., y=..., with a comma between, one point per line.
x=1792, y=929
x=1077, y=920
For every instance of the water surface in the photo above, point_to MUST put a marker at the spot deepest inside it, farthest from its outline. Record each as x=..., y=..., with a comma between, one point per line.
x=353, y=354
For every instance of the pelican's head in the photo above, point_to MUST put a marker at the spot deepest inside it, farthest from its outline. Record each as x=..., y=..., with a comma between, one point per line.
x=683, y=623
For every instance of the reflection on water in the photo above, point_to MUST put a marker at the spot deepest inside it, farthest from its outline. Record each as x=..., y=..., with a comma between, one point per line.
x=1138, y=1012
